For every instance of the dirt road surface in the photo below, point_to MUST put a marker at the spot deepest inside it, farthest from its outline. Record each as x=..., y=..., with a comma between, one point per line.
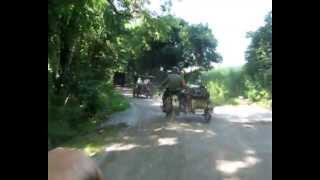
x=235, y=145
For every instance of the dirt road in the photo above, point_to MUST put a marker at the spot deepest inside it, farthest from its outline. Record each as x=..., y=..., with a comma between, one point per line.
x=235, y=145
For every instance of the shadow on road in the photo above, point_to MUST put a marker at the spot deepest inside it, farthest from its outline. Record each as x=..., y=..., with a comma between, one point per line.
x=187, y=149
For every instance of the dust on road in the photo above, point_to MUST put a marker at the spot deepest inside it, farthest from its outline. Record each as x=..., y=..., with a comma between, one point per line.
x=235, y=145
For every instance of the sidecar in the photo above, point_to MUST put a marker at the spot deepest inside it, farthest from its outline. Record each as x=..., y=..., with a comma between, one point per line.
x=198, y=101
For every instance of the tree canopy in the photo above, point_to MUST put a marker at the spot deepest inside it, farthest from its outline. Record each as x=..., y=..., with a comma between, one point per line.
x=172, y=41
x=259, y=55
x=90, y=40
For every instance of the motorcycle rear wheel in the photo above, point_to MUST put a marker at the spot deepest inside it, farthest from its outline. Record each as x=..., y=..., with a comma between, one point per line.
x=207, y=117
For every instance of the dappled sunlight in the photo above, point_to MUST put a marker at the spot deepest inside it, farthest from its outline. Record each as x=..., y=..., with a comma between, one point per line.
x=210, y=133
x=194, y=130
x=248, y=126
x=121, y=147
x=156, y=103
x=127, y=94
x=124, y=91
x=185, y=128
x=91, y=150
x=167, y=141
x=158, y=129
x=127, y=138
x=173, y=128
x=184, y=125
x=240, y=110
x=153, y=137
x=231, y=167
x=250, y=152
x=263, y=117
x=244, y=114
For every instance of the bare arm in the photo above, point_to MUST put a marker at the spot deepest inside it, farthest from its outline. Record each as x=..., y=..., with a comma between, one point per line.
x=183, y=83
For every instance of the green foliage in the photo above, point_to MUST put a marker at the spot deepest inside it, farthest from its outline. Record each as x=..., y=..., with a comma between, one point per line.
x=229, y=77
x=223, y=84
x=86, y=45
x=115, y=103
x=171, y=41
x=254, y=91
x=218, y=92
x=259, y=55
x=73, y=119
x=200, y=50
x=93, y=142
x=254, y=80
x=226, y=85
x=90, y=40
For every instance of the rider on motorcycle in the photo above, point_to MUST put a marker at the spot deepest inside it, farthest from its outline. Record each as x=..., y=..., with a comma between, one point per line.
x=174, y=83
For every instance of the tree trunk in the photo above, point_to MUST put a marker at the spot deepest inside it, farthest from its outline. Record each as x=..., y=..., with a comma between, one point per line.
x=67, y=40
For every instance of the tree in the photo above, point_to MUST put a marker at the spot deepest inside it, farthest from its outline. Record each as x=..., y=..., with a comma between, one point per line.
x=259, y=55
x=90, y=40
x=171, y=41
x=200, y=50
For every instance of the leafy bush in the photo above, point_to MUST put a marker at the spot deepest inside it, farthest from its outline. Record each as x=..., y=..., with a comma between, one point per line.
x=255, y=92
x=72, y=117
x=225, y=85
x=218, y=92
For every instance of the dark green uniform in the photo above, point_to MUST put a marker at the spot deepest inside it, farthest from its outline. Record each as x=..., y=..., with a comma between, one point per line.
x=173, y=82
x=173, y=85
